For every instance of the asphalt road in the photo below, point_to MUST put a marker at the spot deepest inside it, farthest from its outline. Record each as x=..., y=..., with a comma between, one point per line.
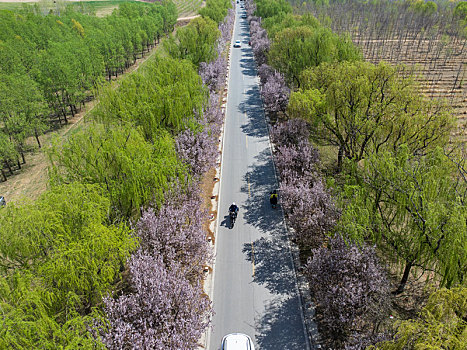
x=254, y=288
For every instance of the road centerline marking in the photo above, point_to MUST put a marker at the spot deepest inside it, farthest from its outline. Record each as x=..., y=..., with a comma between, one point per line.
x=253, y=258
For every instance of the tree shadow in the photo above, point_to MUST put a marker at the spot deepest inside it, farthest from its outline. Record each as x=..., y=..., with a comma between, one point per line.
x=252, y=106
x=277, y=328
x=247, y=63
x=273, y=267
x=259, y=181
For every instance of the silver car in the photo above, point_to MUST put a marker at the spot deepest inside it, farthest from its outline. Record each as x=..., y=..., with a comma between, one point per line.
x=237, y=341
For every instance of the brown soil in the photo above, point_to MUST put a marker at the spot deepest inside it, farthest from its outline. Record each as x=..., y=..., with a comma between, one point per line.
x=441, y=63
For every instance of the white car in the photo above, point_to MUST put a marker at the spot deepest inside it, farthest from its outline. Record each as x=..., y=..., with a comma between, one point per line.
x=238, y=44
x=237, y=341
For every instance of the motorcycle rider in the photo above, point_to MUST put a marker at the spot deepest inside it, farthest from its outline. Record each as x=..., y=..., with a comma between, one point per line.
x=233, y=208
x=273, y=199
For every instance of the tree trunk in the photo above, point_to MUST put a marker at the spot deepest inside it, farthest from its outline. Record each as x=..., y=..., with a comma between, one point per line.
x=64, y=116
x=4, y=175
x=7, y=163
x=340, y=156
x=405, y=277
x=37, y=138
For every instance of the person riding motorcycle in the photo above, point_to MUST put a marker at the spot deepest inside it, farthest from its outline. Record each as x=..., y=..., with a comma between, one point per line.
x=273, y=199
x=233, y=208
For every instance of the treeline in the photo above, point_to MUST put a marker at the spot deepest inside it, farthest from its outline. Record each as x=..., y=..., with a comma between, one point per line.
x=112, y=255
x=51, y=64
x=394, y=181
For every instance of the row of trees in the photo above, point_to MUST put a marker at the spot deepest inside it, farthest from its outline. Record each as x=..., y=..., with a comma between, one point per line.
x=51, y=63
x=112, y=255
x=396, y=188
x=164, y=306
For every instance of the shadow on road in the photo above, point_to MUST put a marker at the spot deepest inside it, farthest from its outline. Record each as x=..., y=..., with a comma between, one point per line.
x=275, y=330
x=272, y=265
x=255, y=125
x=277, y=326
x=247, y=63
x=226, y=221
x=259, y=181
x=273, y=268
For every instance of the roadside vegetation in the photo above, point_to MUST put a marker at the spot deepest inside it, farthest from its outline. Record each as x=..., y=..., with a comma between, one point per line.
x=52, y=63
x=381, y=222
x=112, y=254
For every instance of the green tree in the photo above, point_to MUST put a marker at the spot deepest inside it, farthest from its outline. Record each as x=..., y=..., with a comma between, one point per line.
x=442, y=324
x=8, y=154
x=460, y=11
x=363, y=109
x=196, y=41
x=297, y=48
x=270, y=8
x=59, y=257
x=409, y=206
x=277, y=23
x=22, y=109
x=163, y=94
x=215, y=10
x=132, y=171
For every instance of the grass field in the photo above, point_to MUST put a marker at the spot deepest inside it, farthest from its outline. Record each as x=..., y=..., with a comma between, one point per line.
x=101, y=8
x=104, y=7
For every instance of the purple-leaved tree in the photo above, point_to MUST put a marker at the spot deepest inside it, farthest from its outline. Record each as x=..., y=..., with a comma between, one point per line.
x=198, y=150
x=309, y=209
x=308, y=206
x=259, y=41
x=213, y=73
x=226, y=27
x=275, y=94
x=213, y=116
x=290, y=132
x=297, y=163
x=250, y=7
x=163, y=311
x=176, y=233
x=350, y=289
x=264, y=72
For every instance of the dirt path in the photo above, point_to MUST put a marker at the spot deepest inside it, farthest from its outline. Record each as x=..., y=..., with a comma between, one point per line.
x=31, y=180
